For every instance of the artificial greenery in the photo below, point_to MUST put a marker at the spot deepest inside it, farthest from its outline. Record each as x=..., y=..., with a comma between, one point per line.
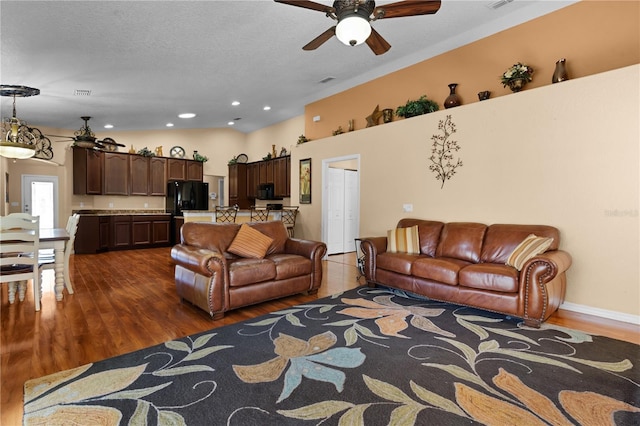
x=515, y=72
x=422, y=105
x=443, y=163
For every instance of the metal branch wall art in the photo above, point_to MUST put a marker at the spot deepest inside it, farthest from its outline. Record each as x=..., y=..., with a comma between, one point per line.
x=443, y=163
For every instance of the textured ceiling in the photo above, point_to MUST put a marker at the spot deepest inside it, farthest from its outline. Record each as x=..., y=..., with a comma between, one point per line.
x=147, y=61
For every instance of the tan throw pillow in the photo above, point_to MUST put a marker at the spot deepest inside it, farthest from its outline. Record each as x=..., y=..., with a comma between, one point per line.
x=528, y=248
x=403, y=240
x=250, y=242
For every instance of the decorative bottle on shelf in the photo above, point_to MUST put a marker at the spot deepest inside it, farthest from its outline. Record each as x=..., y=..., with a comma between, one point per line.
x=453, y=100
x=560, y=74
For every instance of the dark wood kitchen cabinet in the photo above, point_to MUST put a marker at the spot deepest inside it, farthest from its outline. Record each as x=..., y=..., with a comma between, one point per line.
x=87, y=171
x=120, y=232
x=266, y=171
x=92, y=235
x=194, y=170
x=253, y=180
x=158, y=176
x=139, y=168
x=281, y=177
x=238, y=185
x=116, y=174
x=176, y=169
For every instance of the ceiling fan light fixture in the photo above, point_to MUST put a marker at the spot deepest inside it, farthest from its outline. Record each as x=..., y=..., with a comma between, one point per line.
x=19, y=141
x=19, y=151
x=353, y=30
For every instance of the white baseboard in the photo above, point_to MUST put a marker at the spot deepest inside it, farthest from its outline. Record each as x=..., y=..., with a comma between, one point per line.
x=603, y=313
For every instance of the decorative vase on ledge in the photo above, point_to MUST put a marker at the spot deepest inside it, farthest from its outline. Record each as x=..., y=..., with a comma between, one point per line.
x=517, y=84
x=560, y=73
x=453, y=100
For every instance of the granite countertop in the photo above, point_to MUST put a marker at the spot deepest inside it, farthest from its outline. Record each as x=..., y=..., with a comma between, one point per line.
x=120, y=212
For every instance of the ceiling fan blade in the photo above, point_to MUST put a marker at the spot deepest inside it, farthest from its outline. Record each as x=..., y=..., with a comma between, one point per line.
x=58, y=136
x=378, y=44
x=317, y=42
x=109, y=141
x=308, y=5
x=407, y=8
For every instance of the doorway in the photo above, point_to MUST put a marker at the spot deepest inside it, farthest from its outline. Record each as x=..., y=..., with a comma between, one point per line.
x=40, y=198
x=340, y=203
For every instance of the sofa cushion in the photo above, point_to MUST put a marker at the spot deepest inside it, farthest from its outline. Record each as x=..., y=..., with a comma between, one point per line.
x=501, y=239
x=429, y=233
x=403, y=240
x=275, y=230
x=444, y=270
x=462, y=240
x=489, y=276
x=396, y=262
x=290, y=265
x=528, y=248
x=250, y=243
x=245, y=271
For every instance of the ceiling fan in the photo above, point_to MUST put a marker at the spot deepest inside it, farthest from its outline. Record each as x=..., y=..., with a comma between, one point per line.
x=354, y=19
x=85, y=138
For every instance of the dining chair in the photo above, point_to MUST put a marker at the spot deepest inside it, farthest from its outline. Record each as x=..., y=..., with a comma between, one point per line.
x=259, y=214
x=47, y=258
x=226, y=213
x=288, y=217
x=19, y=243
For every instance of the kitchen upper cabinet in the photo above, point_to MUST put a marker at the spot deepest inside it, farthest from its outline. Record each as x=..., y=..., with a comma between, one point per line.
x=116, y=174
x=87, y=171
x=194, y=170
x=139, y=167
x=266, y=171
x=253, y=180
x=176, y=169
x=158, y=176
x=281, y=176
x=238, y=185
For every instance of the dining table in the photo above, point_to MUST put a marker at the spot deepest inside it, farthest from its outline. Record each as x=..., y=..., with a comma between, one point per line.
x=56, y=238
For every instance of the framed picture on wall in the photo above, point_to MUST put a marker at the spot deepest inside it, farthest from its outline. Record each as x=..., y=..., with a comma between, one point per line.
x=305, y=181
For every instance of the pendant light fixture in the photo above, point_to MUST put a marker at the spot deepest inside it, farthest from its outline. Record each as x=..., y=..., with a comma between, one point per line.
x=18, y=140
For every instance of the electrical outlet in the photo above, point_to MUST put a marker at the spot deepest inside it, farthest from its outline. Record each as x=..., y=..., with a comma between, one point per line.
x=81, y=204
x=407, y=208
x=146, y=205
x=110, y=205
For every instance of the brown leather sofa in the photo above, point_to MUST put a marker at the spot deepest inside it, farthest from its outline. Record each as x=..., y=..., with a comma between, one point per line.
x=465, y=263
x=213, y=279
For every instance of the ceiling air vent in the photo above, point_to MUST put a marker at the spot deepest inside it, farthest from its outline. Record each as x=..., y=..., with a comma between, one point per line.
x=326, y=80
x=498, y=4
x=82, y=92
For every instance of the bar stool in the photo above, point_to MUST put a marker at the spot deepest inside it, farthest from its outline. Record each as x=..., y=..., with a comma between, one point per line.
x=288, y=217
x=259, y=214
x=226, y=214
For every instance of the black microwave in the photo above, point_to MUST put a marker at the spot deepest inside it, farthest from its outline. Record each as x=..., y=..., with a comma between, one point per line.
x=265, y=191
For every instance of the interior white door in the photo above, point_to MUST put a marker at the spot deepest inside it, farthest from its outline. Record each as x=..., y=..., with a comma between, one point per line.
x=335, y=211
x=351, y=204
x=40, y=198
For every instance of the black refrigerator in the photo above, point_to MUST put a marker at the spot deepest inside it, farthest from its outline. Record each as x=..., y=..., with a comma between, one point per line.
x=187, y=196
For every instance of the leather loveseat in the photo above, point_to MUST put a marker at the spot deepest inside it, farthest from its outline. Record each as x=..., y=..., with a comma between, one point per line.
x=211, y=277
x=465, y=263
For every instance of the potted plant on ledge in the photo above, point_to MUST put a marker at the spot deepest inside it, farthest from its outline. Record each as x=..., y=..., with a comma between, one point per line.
x=422, y=105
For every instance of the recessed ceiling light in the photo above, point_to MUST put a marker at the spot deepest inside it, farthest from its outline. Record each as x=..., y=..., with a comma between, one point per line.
x=108, y=126
x=266, y=108
x=235, y=103
x=187, y=115
x=169, y=124
x=231, y=123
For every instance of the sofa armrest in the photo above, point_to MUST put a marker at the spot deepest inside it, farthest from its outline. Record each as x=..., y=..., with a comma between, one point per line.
x=197, y=259
x=313, y=250
x=543, y=285
x=371, y=247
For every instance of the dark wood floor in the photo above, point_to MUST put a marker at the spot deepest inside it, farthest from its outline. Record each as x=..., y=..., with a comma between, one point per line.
x=126, y=300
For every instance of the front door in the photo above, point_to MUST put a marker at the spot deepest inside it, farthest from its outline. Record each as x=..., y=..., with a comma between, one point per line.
x=40, y=198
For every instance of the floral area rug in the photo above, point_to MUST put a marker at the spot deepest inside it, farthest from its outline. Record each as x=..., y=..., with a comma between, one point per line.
x=366, y=356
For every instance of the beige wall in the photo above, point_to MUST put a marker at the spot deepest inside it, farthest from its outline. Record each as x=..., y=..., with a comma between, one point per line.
x=566, y=155
x=594, y=36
